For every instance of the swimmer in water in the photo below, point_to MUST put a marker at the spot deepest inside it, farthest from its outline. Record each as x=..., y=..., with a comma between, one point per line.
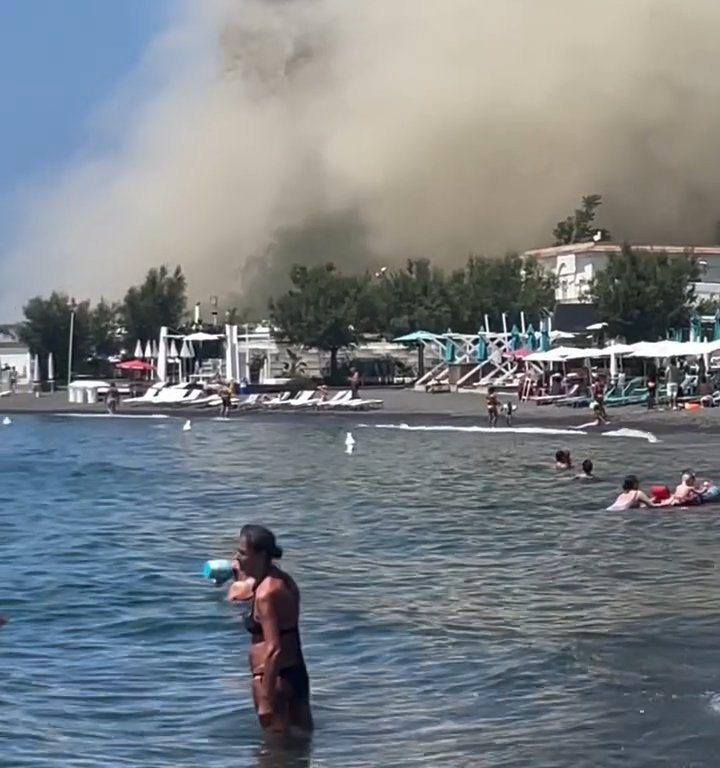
x=587, y=472
x=631, y=497
x=562, y=460
x=280, y=683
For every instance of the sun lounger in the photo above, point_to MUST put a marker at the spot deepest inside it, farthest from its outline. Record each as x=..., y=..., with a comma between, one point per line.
x=335, y=400
x=277, y=400
x=299, y=399
x=149, y=396
x=304, y=400
x=358, y=404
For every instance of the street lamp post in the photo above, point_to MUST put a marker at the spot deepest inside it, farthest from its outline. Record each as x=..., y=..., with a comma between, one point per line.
x=70, y=344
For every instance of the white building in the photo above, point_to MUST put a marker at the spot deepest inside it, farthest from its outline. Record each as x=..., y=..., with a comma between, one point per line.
x=576, y=265
x=13, y=354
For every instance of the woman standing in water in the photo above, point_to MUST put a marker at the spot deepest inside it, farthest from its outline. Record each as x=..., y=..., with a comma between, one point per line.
x=280, y=683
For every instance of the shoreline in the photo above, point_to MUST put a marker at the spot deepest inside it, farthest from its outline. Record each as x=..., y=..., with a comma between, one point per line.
x=405, y=406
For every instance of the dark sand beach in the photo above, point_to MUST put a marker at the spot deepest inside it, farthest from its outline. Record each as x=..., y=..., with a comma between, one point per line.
x=408, y=406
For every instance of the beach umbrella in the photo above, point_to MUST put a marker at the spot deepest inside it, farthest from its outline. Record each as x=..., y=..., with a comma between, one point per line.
x=148, y=351
x=481, y=349
x=530, y=338
x=514, y=341
x=134, y=365
x=154, y=348
x=186, y=353
x=613, y=365
x=51, y=370
x=449, y=352
x=695, y=327
x=138, y=349
x=36, y=369
x=544, y=338
x=173, y=352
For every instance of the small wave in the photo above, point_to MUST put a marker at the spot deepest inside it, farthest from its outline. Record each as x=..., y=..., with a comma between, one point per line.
x=111, y=416
x=714, y=701
x=497, y=430
x=634, y=433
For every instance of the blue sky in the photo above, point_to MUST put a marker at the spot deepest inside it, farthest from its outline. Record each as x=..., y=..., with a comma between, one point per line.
x=59, y=61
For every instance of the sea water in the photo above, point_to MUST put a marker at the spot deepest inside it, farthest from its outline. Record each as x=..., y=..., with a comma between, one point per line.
x=462, y=603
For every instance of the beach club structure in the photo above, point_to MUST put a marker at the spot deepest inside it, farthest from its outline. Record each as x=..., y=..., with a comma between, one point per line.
x=512, y=357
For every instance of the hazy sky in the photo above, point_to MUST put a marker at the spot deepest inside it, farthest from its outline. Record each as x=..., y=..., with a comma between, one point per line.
x=237, y=137
x=59, y=61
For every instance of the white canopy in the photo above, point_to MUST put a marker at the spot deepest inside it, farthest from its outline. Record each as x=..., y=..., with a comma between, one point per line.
x=202, y=336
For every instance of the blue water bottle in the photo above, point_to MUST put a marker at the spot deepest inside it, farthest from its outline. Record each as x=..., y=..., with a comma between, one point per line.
x=218, y=571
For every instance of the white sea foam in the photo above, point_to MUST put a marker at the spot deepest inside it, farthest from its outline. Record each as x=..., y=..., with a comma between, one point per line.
x=628, y=433
x=111, y=416
x=634, y=433
x=498, y=430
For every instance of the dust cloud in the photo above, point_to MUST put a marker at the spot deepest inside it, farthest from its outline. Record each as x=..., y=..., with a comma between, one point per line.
x=257, y=133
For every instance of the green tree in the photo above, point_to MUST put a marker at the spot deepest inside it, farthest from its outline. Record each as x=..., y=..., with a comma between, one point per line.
x=641, y=294
x=46, y=329
x=319, y=310
x=105, y=336
x=160, y=300
x=581, y=227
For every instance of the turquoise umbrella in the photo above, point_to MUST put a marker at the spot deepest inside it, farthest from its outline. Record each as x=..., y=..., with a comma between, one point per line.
x=530, y=338
x=449, y=354
x=544, y=337
x=716, y=326
x=514, y=341
x=481, y=349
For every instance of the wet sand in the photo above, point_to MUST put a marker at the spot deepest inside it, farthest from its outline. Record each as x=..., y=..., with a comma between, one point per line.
x=408, y=406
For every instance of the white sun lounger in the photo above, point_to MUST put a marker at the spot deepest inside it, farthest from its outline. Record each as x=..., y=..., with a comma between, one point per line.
x=336, y=399
x=303, y=399
x=150, y=395
x=275, y=401
x=290, y=402
x=359, y=404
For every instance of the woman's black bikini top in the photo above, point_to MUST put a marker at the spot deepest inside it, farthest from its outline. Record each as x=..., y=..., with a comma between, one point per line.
x=254, y=627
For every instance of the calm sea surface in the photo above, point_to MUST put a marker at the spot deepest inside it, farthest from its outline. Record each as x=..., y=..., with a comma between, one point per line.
x=463, y=604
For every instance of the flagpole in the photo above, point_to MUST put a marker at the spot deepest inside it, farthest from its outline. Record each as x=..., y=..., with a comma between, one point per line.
x=70, y=345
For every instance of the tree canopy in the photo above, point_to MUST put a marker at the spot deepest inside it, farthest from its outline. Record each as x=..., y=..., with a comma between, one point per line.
x=580, y=227
x=47, y=329
x=160, y=300
x=328, y=310
x=641, y=294
x=102, y=330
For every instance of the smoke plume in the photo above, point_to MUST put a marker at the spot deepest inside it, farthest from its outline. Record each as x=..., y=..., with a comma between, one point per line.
x=257, y=133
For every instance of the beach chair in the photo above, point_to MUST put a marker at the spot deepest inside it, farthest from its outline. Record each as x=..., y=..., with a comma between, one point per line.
x=300, y=399
x=149, y=397
x=358, y=404
x=633, y=393
x=278, y=400
x=304, y=400
x=335, y=400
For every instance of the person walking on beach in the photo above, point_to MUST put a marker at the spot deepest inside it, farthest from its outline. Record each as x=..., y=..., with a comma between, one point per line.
x=280, y=682
x=112, y=399
x=354, y=382
x=13, y=378
x=651, y=384
x=672, y=383
x=493, y=406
